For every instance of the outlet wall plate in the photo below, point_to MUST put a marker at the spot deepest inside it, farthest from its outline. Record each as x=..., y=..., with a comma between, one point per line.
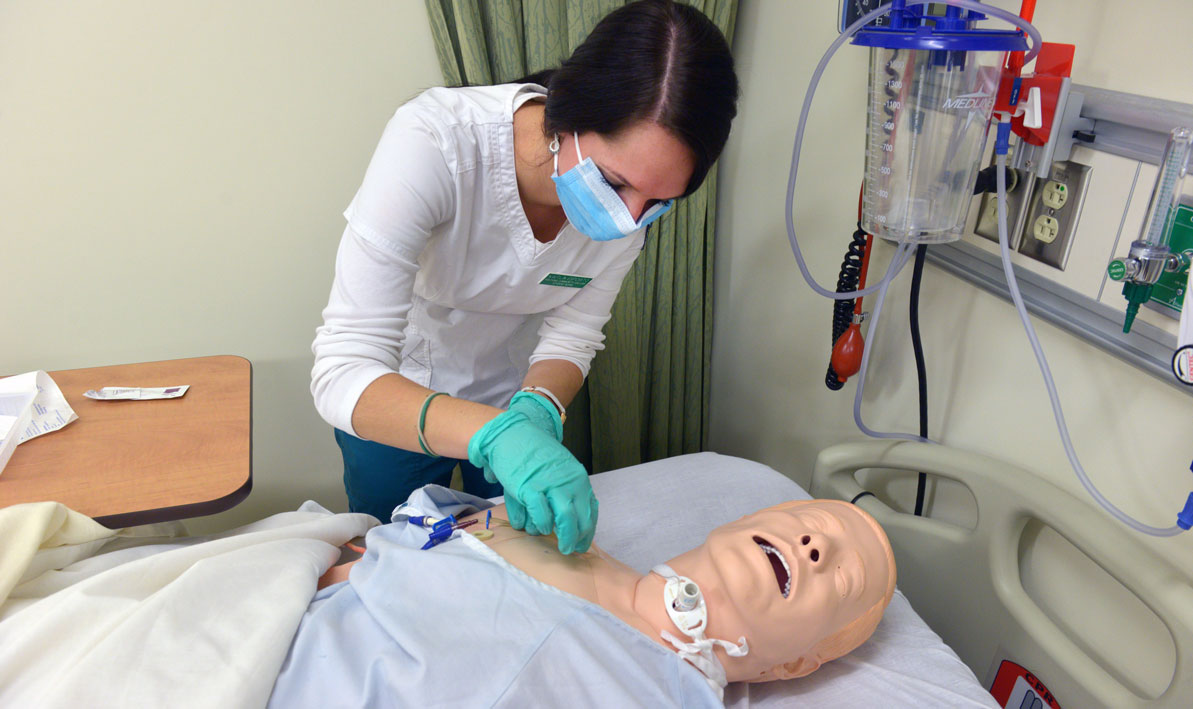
x=1017, y=203
x=1054, y=249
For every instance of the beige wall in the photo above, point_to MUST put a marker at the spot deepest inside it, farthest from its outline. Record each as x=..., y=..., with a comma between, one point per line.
x=171, y=181
x=172, y=177
x=771, y=341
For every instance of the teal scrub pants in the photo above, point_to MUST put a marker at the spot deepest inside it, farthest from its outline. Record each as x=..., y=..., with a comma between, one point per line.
x=378, y=477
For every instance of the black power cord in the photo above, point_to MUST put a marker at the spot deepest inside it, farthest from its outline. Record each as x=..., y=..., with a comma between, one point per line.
x=921, y=370
x=986, y=182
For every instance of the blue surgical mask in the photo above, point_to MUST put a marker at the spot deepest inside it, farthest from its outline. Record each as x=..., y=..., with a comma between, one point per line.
x=590, y=202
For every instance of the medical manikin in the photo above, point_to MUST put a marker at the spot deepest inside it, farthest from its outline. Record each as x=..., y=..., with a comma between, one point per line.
x=770, y=596
x=803, y=582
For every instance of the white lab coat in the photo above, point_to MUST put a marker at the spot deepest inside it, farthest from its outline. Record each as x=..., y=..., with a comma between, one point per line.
x=438, y=275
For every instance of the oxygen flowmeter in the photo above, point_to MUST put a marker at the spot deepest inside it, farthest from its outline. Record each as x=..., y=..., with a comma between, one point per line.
x=1151, y=256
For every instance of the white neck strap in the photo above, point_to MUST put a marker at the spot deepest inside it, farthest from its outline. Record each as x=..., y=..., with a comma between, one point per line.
x=693, y=622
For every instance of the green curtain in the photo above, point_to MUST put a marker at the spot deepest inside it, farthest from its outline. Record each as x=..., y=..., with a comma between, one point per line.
x=647, y=394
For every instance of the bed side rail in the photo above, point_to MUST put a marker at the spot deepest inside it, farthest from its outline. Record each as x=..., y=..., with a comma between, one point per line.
x=959, y=578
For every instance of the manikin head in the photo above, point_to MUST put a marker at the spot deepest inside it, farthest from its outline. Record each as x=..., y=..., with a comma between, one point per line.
x=804, y=582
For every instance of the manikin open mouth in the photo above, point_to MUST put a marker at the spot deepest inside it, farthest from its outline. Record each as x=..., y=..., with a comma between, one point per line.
x=778, y=563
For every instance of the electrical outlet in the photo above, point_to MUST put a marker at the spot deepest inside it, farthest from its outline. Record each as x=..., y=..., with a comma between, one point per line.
x=1053, y=213
x=1054, y=194
x=1045, y=228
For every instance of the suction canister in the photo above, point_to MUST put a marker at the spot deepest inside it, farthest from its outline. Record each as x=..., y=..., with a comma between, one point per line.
x=932, y=88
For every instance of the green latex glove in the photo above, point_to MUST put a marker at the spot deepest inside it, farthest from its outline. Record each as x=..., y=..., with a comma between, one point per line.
x=542, y=413
x=546, y=488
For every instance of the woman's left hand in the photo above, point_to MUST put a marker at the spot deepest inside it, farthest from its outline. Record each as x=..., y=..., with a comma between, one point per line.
x=541, y=412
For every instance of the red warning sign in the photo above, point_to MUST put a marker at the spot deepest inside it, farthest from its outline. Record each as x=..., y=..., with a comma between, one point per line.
x=1016, y=688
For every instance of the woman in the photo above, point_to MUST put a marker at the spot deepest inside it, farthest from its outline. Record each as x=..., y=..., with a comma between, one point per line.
x=483, y=253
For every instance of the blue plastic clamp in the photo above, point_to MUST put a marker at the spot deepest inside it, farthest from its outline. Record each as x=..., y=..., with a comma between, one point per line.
x=1002, y=141
x=1185, y=519
x=438, y=536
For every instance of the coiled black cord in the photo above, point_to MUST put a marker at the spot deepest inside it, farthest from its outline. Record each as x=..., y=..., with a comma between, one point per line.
x=851, y=266
x=847, y=280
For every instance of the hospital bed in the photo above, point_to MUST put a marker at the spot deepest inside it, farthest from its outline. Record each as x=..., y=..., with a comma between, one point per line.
x=1129, y=643
x=1032, y=576
x=214, y=642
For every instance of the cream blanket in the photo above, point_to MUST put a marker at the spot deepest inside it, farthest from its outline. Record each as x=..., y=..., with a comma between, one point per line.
x=141, y=617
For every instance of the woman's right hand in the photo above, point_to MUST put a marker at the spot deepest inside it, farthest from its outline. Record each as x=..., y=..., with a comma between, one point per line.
x=546, y=488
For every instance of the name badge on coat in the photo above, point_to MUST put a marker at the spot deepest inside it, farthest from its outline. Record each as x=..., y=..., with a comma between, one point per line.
x=565, y=280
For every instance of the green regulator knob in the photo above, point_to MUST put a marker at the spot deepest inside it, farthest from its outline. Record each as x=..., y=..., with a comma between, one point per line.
x=1117, y=270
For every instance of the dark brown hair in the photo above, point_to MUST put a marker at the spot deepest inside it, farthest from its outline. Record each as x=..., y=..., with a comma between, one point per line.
x=654, y=60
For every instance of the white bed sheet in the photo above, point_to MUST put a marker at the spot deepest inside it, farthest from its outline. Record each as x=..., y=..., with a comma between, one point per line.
x=655, y=511
x=89, y=618
x=143, y=626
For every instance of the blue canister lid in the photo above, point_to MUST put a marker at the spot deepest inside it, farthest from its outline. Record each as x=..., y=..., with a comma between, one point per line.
x=951, y=40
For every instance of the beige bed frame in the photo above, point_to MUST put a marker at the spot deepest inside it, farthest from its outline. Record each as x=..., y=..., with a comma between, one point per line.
x=966, y=583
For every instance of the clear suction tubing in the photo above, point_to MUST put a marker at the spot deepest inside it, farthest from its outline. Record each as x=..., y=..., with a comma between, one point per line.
x=1185, y=518
x=931, y=98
